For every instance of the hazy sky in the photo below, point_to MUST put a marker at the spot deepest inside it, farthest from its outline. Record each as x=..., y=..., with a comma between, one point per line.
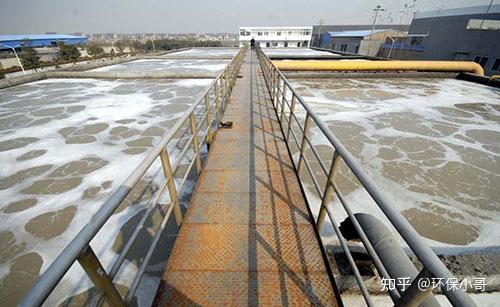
x=126, y=16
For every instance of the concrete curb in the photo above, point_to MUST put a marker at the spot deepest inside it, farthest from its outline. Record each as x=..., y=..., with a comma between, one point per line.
x=9, y=82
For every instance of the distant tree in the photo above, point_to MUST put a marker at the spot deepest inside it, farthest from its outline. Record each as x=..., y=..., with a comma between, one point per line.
x=136, y=46
x=119, y=46
x=30, y=59
x=2, y=74
x=69, y=52
x=112, y=53
x=95, y=50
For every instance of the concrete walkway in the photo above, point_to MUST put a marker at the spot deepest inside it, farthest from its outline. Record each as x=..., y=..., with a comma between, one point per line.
x=247, y=238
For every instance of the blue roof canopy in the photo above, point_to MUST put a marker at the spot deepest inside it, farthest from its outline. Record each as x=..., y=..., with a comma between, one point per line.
x=39, y=40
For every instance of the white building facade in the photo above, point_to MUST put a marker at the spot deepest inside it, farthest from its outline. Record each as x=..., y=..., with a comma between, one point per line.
x=287, y=37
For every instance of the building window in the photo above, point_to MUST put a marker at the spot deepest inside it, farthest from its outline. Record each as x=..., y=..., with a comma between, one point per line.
x=286, y=44
x=496, y=65
x=268, y=44
x=266, y=33
x=483, y=24
x=343, y=47
x=481, y=60
x=278, y=33
x=259, y=33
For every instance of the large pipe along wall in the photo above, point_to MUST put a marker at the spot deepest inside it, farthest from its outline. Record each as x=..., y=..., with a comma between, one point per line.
x=434, y=66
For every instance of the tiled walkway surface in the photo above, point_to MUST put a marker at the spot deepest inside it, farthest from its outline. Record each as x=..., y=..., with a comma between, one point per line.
x=247, y=237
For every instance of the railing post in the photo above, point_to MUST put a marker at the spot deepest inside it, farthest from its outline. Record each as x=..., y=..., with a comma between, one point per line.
x=275, y=86
x=91, y=265
x=283, y=102
x=226, y=89
x=292, y=112
x=209, y=120
x=196, y=148
x=307, y=125
x=415, y=295
x=327, y=194
x=169, y=175
x=216, y=94
x=222, y=91
x=276, y=95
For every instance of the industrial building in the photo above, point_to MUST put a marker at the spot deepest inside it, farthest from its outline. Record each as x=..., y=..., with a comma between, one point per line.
x=39, y=40
x=464, y=34
x=365, y=42
x=287, y=37
x=319, y=29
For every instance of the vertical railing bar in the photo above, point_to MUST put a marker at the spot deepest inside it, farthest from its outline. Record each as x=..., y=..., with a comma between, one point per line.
x=313, y=177
x=284, y=99
x=350, y=259
x=194, y=131
x=216, y=94
x=364, y=239
x=117, y=264
x=95, y=271
x=292, y=112
x=328, y=191
x=167, y=170
x=307, y=124
x=140, y=273
x=316, y=155
x=416, y=293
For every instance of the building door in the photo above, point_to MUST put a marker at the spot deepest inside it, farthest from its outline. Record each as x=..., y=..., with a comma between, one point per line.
x=268, y=44
x=286, y=44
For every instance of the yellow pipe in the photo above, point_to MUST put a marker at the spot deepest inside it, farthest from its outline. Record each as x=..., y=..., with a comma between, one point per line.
x=336, y=65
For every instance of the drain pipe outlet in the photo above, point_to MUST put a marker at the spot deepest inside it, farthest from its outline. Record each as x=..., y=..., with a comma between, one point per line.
x=388, y=249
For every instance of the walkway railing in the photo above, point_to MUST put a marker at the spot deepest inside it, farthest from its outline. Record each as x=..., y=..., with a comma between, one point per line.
x=179, y=151
x=297, y=120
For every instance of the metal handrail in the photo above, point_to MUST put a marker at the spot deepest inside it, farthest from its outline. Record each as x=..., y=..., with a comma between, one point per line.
x=285, y=107
x=214, y=100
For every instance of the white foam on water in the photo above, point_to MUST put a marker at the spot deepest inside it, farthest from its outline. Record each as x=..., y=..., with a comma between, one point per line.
x=205, y=52
x=417, y=99
x=170, y=65
x=104, y=103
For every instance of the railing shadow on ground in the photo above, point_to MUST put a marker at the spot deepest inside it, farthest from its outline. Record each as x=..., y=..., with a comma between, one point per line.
x=297, y=120
x=263, y=125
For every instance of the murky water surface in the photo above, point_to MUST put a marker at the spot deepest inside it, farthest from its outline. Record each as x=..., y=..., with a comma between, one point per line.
x=184, y=66
x=432, y=145
x=202, y=52
x=65, y=144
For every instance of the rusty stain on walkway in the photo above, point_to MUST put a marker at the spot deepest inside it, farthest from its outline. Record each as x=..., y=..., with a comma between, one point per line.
x=248, y=238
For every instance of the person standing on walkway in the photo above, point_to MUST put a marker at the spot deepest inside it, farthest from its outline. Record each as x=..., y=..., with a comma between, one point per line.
x=252, y=43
